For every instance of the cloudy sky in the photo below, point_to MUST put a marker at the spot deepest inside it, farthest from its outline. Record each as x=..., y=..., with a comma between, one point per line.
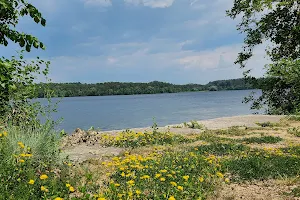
x=178, y=41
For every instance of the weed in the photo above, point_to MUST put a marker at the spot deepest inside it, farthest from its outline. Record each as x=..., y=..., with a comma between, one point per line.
x=294, y=131
x=193, y=125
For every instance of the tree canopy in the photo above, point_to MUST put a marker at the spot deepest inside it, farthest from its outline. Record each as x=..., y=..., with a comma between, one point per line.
x=277, y=23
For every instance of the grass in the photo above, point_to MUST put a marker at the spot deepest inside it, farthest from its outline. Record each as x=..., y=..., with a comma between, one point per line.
x=193, y=125
x=261, y=140
x=31, y=166
x=294, y=131
x=233, y=131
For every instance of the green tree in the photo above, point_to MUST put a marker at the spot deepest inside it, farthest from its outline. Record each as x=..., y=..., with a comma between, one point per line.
x=278, y=23
x=17, y=75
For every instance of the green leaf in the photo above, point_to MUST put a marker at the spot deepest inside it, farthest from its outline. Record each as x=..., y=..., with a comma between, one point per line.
x=28, y=47
x=43, y=22
x=37, y=20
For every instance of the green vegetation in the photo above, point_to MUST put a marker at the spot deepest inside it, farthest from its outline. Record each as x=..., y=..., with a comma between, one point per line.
x=193, y=124
x=278, y=24
x=260, y=140
x=295, y=131
x=117, y=88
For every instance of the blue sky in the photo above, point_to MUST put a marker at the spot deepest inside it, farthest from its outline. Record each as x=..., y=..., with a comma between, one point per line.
x=178, y=41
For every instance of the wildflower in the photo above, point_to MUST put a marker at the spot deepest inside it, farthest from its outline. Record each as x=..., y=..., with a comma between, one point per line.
x=162, y=179
x=157, y=175
x=0, y=134
x=21, y=161
x=122, y=174
x=163, y=171
x=138, y=192
x=101, y=198
x=145, y=177
x=43, y=177
x=31, y=182
x=131, y=182
x=44, y=189
x=130, y=194
x=4, y=133
x=180, y=188
x=68, y=185
x=220, y=175
x=71, y=189
x=171, y=198
x=58, y=198
x=173, y=183
x=186, y=178
x=201, y=179
x=21, y=145
x=227, y=180
x=117, y=184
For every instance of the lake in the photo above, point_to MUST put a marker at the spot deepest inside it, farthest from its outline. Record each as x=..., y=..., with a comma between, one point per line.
x=134, y=111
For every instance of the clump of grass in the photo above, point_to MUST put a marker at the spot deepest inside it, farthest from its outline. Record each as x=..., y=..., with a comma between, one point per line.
x=293, y=150
x=235, y=131
x=193, y=124
x=209, y=136
x=260, y=140
x=221, y=149
x=263, y=165
x=293, y=117
x=133, y=139
x=294, y=131
x=282, y=123
x=173, y=175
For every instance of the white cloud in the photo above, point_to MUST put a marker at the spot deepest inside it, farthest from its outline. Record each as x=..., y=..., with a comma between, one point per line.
x=152, y=3
x=103, y=3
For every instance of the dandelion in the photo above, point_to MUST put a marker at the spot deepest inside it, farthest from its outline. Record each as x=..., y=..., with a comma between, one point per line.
x=4, y=133
x=131, y=182
x=171, y=198
x=58, y=198
x=220, y=175
x=68, y=185
x=44, y=189
x=101, y=198
x=21, y=145
x=163, y=171
x=21, y=161
x=180, y=188
x=122, y=174
x=173, y=183
x=71, y=189
x=186, y=178
x=43, y=177
x=157, y=175
x=31, y=182
x=145, y=177
x=117, y=184
x=162, y=179
x=201, y=179
x=138, y=192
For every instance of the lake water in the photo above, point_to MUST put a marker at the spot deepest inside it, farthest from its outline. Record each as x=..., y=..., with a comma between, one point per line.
x=121, y=112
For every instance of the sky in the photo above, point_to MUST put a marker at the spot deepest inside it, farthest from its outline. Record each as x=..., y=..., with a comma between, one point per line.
x=177, y=41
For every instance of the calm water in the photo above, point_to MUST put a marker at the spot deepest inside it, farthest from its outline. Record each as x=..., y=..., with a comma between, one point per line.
x=120, y=112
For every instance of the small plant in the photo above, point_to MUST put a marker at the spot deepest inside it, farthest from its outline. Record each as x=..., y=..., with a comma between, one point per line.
x=294, y=131
x=234, y=130
x=193, y=124
x=293, y=118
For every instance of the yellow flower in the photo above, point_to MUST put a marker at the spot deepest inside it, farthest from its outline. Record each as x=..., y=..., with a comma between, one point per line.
x=171, y=198
x=145, y=177
x=122, y=174
x=58, y=198
x=71, y=189
x=162, y=179
x=31, y=182
x=163, y=171
x=44, y=189
x=201, y=179
x=68, y=185
x=131, y=182
x=43, y=177
x=117, y=184
x=21, y=145
x=180, y=188
x=157, y=175
x=138, y=192
x=220, y=175
x=21, y=161
x=227, y=180
x=4, y=133
x=101, y=198
x=173, y=183
x=186, y=178
x=0, y=134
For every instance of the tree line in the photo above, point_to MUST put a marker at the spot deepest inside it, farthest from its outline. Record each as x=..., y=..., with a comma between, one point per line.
x=123, y=88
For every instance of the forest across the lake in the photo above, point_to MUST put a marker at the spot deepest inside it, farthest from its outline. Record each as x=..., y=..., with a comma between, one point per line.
x=129, y=88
